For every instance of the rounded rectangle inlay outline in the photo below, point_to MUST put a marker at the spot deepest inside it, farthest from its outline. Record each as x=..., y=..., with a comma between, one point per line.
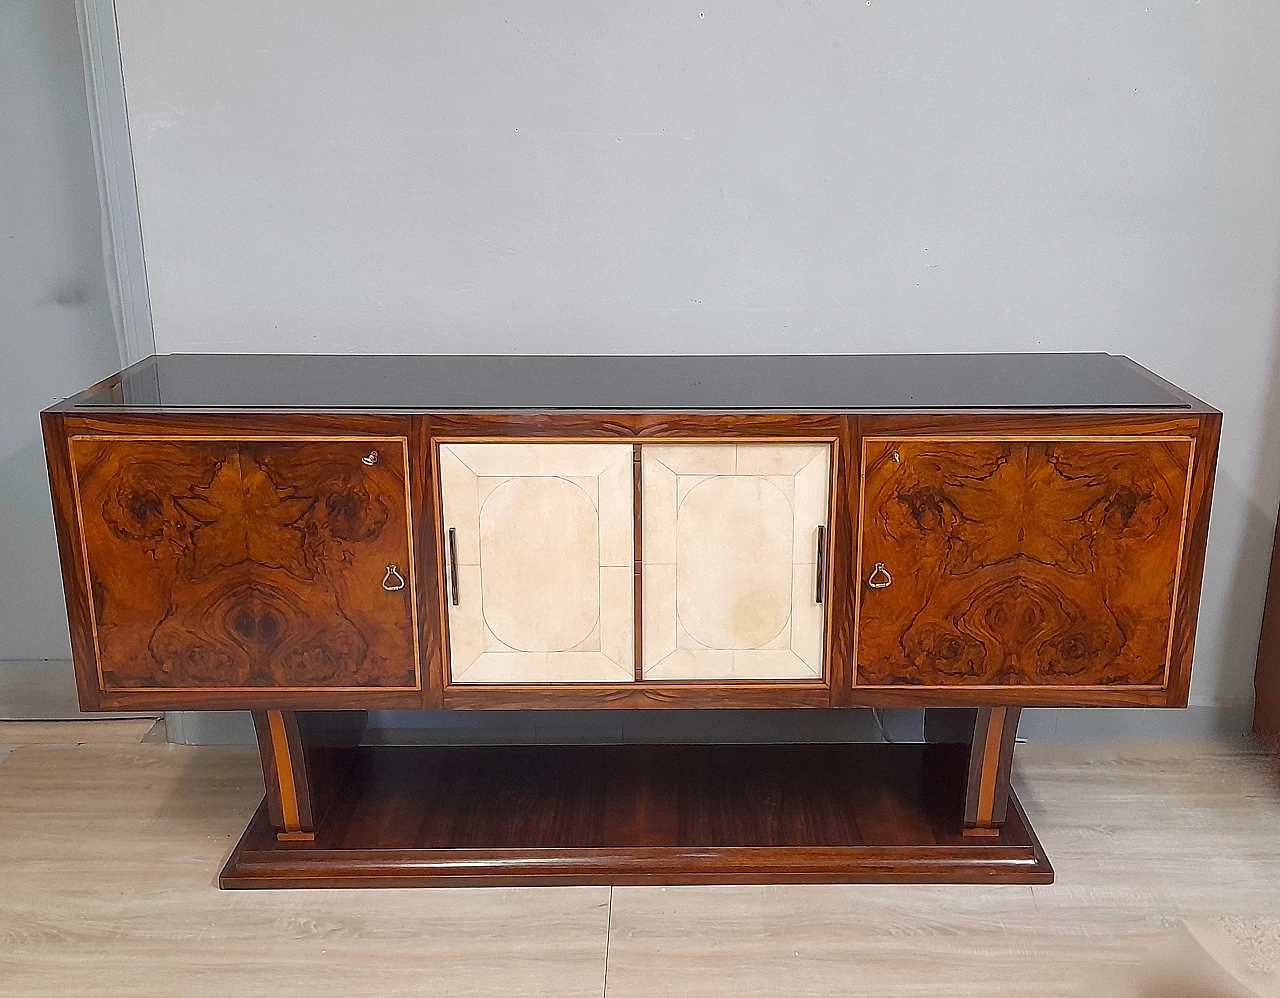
x=509, y=625
x=730, y=549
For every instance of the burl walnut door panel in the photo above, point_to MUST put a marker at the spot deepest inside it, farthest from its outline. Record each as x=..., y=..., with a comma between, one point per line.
x=224, y=564
x=734, y=560
x=1052, y=562
x=540, y=565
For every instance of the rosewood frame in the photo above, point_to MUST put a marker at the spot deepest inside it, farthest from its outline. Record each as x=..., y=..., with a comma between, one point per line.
x=638, y=814
x=643, y=692
x=424, y=431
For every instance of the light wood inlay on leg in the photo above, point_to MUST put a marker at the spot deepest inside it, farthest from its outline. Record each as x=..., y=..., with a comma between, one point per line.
x=284, y=771
x=990, y=763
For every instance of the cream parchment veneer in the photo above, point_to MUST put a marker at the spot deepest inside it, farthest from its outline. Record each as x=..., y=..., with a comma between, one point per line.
x=730, y=560
x=544, y=535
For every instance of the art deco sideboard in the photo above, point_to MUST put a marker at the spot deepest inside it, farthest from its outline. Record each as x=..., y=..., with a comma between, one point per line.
x=311, y=537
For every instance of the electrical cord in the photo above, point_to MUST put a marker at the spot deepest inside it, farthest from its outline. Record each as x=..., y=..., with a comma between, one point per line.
x=884, y=732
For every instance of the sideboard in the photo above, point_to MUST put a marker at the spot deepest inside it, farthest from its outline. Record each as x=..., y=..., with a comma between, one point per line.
x=311, y=537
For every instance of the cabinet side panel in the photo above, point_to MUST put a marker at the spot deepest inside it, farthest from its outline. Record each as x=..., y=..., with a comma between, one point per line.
x=1199, y=503
x=71, y=558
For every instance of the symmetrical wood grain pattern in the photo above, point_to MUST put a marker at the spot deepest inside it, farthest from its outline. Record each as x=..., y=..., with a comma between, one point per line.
x=1027, y=562
x=645, y=814
x=246, y=563
x=986, y=803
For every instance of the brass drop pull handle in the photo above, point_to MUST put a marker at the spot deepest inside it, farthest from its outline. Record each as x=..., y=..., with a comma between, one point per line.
x=880, y=577
x=453, y=564
x=820, y=588
x=393, y=581
x=370, y=459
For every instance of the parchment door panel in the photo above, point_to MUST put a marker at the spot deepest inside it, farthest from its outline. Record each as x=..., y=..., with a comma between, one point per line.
x=730, y=541
x=219, y=563
x=544, y=541
x=1016, y=562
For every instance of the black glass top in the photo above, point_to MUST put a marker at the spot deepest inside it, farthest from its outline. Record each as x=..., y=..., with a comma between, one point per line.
x=752, y=383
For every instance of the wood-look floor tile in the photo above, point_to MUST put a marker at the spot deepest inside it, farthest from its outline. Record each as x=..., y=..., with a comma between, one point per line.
x=1139, y=843
x=108, y=871
x=110, y=854
x=822, y=939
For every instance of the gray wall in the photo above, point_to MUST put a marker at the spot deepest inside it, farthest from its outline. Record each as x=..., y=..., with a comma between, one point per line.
x=56, y=332
x=738, y=176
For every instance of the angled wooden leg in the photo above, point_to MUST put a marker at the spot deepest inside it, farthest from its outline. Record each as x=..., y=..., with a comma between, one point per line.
x=990, y=762
x=284, y=769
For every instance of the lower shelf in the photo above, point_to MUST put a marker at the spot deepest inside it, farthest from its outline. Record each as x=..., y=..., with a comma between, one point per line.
x=643, y=814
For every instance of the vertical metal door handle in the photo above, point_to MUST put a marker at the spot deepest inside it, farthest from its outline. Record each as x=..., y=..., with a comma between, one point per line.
x=453, y=564
x=393, y=581
x=821, y=589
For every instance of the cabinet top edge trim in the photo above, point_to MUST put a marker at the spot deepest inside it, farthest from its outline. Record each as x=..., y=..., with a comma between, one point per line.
x=1026, y=437
x=246, y=436
x=638, y=383
x=70, y=407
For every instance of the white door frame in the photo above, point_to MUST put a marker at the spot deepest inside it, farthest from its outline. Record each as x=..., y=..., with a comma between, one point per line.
x=122, y=244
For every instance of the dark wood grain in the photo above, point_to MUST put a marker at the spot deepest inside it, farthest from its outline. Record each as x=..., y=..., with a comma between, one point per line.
x=430, y=566
x=1021, y=562
x=666, y=425
x=75, y=584
x=995, y=731
x=1207, y=432
x=284, y=771
x=639, y=696
x=842, y=578
x=644, y=814
x=1266, y=677
x=246, y=562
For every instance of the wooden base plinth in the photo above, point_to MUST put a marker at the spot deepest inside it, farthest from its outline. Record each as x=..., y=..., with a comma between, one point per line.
x=643, y=814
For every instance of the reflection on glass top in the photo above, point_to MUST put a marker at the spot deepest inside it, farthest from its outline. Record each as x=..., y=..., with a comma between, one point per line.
x=628, y=384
